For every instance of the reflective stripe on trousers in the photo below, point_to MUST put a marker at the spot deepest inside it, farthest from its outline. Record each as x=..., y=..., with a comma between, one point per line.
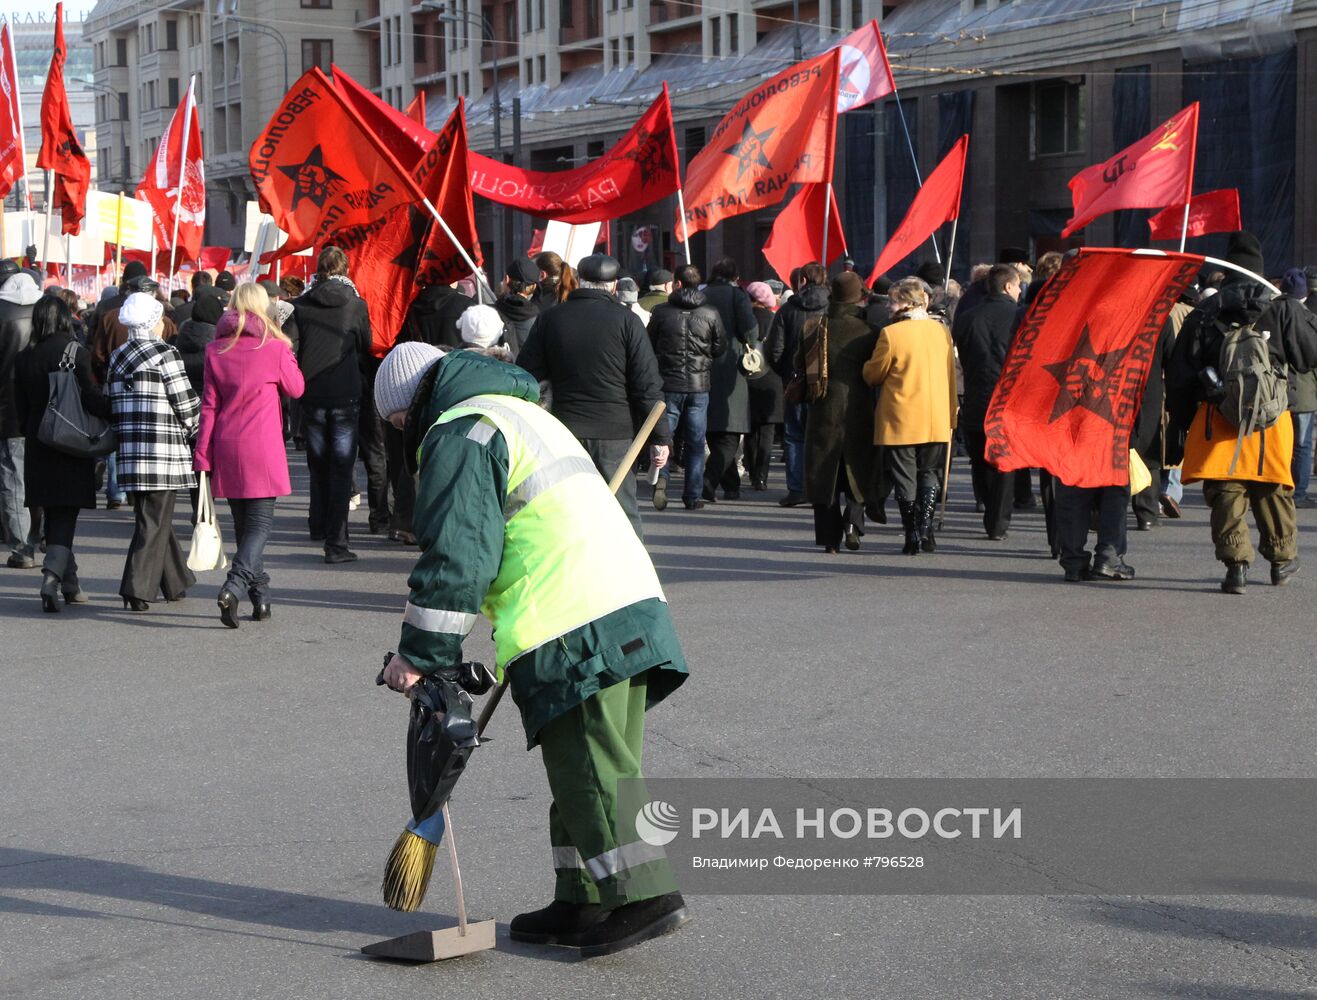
x=610, y=863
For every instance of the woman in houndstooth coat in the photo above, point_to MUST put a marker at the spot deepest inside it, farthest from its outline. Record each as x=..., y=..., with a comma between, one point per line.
x=155, y=417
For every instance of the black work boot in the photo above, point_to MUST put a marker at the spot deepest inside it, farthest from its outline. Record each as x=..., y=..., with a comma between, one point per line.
x=1236, y=578
x=558, y=923
x=1282, y=571
x=925, y=509
x=911, y=527
x=633, y=923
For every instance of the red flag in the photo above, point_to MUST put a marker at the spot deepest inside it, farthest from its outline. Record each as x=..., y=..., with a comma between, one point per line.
x=13, y=155
x=1075, y=374
x=61, y=151
x=1210, y=212
x=405, y=247
x=936, y=203
x=318, y=168
x=638, y=171
x=402, y=135
x=1157, y=170
x=416, y=110
x=797, y=235
x=178, y=154
x=865, y=74
x=781, y=133
x=213, y=257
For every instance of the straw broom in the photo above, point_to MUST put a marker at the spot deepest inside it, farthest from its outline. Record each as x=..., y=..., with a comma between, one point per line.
x=411, y=862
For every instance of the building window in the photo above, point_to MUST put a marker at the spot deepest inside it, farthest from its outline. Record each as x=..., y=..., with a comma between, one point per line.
x=544, y=68
x=317, y=52
x=1057, y=122
x=733, y=33
x=123, y=106
x=420, y=53
x=121, y=52
x=630, y=51
x=539, y=14
x=857, y=13
x=173, y=91
x=566, y=16
x=716, y=36
x=318, y=4
x=834, y=12
x=614, y=53
x=466, y=84
x=171, y=35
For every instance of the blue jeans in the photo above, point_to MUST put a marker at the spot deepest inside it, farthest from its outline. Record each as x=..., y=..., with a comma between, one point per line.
x=252, y=520
x=1303, y=446
x=14, y=520
x=112, y=490
x=793, y=447
x=695, y=407
x=331, y=456
x=1171, y=485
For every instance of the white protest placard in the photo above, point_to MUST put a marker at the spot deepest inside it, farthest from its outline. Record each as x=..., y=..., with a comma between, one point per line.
x=255, y=219
x=569, y=242
x=21, y=229
x=85, y=248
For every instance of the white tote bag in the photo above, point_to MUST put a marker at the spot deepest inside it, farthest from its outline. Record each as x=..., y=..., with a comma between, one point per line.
x=207, y=550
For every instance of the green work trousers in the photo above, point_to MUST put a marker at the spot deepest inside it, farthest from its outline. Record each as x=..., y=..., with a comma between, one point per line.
x=597, y=854
x=1273, y=510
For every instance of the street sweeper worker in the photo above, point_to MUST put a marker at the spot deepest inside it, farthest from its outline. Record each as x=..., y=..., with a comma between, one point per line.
x=515, y=522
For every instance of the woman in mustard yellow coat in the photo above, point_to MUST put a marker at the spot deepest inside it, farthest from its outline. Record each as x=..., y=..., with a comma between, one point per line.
x=914, y=367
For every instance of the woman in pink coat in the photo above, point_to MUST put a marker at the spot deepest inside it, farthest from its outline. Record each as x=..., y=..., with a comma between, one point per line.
x=241, y=440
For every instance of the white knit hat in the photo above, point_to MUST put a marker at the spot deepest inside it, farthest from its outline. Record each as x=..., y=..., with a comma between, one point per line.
x=400, y=374
x=480, y=326
x=140, y=312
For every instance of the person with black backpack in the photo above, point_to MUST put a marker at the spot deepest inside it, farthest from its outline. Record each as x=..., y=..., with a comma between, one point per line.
x=1229, y=397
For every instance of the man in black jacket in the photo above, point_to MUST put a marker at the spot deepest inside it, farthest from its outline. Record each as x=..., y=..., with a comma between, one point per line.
x=982, y=335
x=18, y=294
x=333, y=348
x=729, y=392
x=809, y=302
x=517, y=303
x=432, y=316
x=596, y=355
x=687, y=334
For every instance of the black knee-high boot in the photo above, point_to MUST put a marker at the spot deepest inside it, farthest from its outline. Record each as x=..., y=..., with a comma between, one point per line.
x=925, y=509
x=911, y=526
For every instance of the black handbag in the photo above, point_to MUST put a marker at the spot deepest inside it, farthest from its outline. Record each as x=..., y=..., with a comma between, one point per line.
x=66, y=426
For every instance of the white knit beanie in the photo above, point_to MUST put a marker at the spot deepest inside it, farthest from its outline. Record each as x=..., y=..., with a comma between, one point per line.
x=140, y=312
x=399, y=375
x=480, y=326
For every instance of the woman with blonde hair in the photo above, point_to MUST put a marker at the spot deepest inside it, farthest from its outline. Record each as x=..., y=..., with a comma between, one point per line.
x=913, y=364
x=241, y=441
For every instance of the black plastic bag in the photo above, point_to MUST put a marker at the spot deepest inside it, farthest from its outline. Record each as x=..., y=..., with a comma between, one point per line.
x=440, y=738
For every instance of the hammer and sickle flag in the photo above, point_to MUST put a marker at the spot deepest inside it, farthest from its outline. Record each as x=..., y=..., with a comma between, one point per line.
x=781, y=133
x=1157, y=170
x=318, y=168
x=1073, y=380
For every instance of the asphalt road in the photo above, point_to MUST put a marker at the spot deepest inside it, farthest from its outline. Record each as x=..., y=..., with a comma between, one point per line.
x=187, y=811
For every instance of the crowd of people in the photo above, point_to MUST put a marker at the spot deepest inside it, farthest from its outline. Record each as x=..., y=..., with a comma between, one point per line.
x=869, y=390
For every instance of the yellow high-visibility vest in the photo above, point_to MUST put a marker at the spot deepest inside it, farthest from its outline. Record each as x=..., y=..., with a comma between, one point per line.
x=570, y=555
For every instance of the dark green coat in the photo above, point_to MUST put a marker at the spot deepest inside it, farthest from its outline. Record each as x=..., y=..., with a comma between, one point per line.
x=840, y=425
x=459, y=522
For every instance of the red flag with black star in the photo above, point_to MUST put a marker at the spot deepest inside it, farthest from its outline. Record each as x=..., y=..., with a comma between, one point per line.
x=404, y=249
x=1073, y=380
x=61, y=152
x=782, y=132
x=318, y=168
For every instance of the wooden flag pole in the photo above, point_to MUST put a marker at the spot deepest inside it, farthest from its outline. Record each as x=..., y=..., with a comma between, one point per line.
x=479, y=276
x=827, y=219
x=118, y=241
x=68, y=261
x=182, y=176
x=50, y=205
x=685, y=230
